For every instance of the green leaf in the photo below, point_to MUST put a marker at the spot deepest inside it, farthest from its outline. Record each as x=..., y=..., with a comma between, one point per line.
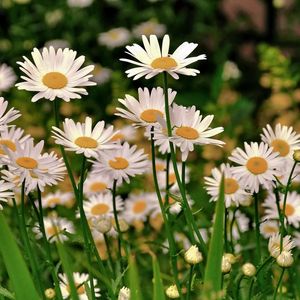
x=6, y=293
x=158, y=288
x=134, y=283
x=17, y=270
x=213, y=271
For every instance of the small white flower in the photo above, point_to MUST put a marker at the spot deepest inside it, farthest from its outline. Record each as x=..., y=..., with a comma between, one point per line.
x=7, y=77
x=274, y=244
x=95, y=184
x=124, y=293
x=58, y=198
x=101, y=74
x=268, y=228
x=6, y=191
x=172, y=292
x=148, y=28
x=115, y=37
x=193, y=255
x=248, y=269
x=231, y=71
x=9, y=116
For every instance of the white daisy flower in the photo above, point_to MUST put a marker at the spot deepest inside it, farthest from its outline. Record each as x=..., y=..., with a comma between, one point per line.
x=6, y=192
x=190, y=128
x=148, y=109
x=268, y=228
x=283, y=140
x=101, y=205
x=55, y=74
x=7, y=77
x=139, y=206
x=285, y=172
x=234, y=192
x=149, y=28
x=258, y=165
x=55, y=229
x=94, y=185
x=101, y=74
x=274, y=244
x=34, y=168
x=154, y=60
x=292, y=208
x=114, y=38
x=80, y=279
x=10, y=136
x=58, y=198
x=122, y=163
x=82, y=138
x=9, y=116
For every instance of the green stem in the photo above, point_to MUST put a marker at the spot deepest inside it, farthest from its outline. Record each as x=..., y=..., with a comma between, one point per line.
x=167, y=179
x=172, y=245
x=225, y=230
x=109, y=254
x=257, y=233
x=280, y=215
x=278, y=284
x=186, y=208
x=231, y=229
x=239, y=280
x=188, y=295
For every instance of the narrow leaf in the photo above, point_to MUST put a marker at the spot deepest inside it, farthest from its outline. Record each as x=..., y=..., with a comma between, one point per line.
x=134, y=282
x=17, y=270
x=6, y=293
x=158, y=288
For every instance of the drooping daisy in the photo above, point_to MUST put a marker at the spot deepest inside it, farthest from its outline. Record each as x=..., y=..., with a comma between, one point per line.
x=55, y=229
x=138, y=207
x=6, y=191
x=7, y=77
x=190, y=128
x=80, y=279
x=115, y=37
x=292, y=208
x=82, y=138
x=10, y=136
x=234, y=192
x=258, y=165
x=148, y=28
x=9, y=116
x=121, y=163
x=149, y=107
x=34, y=168
x=268, y=228
x=274, y=244
x=58, y=198
x=101, y=205
x=94, y=185
x=79, y=3
x=55, y=74
x=283, y=140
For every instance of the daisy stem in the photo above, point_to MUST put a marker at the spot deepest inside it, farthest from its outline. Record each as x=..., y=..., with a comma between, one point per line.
x=225, y=230
x=280, y=214
x=172, y=245
x=25, y=238
x=257, y=233
x=278, y=284
x=186, y=208
x=167, y=179
x=238, y=285
x=231, y=229
x=109, y=254
x=47, y=246
x=188, y=294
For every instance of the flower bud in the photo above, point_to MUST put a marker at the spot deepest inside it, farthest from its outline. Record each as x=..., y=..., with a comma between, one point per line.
x=122, y=223
x=172, y=292
x=124, y=293
x=248, y=269
x=102, y=224
x=285, y=259
x=296, y=155
x=226, y=265
x=230, y=257
x=50, y=293
x=193, y=255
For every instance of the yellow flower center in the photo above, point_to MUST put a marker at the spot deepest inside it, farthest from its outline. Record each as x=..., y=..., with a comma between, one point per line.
x=100, y=209
x=98, y=187
x=139, y=206
x=289, y=209
x=86, y=142
x=53, y=230
x=27, y=162
x=54, y=201
x=117, y=137
x=159, y=167
x=172, y=178
x=164, y=63
x=188, y=133
x=231, y=185
x=257, y=165
x=281, y=146
x=80, y=288
x=9, y=144
x=118, y=163
x=151, y=115
x=55, y=80
x=270, y=229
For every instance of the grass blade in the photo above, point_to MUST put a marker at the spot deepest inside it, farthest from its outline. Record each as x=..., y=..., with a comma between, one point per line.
x=158, y=288
x=134, y=282
x=18, y=272
x=6, y=293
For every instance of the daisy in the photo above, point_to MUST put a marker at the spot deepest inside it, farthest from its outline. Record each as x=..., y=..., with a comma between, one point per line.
x=152, y=60
x=126, y=133
x=7, y=77
x=9, y=116
x=6, y=193
x=138, y=207
x=94, y=185
x=101, y=74
x=283, y=140
x=122, y=163
x=80, y=280
x=268, y=228
x=148, y=28
x=79, y=3
x=190, y=128
x=55, y=229
x=258, y=165
x=101, y=205
x=82, y=138
x=292, y=208
x=10, y=136
x=34, y=168
x=115, y=37
x=55, y=74
x=148, y=109
x=58, y=198
x=274, y=244
x=285, y=172
x=234, y=192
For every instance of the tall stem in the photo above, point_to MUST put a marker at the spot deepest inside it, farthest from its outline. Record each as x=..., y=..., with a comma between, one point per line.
x=168, y=157
x=186, y=208
x=257, y=233
x=278, y=284
x=188, y=295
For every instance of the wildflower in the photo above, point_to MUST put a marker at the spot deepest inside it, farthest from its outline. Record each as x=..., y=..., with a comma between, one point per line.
x=114, y=38
x=149, y=28
x=94, y=185
x=193, y=255
x=285, y=259
x=248, y=269
x=124, y=293
x=58, y=198
x=5, y=191
x=82, y=138
x=102, y=223
x=152, y=60
x=172, y=292
x=231, y=71
x=230, y=257
x=7, y=77
x=9, y=116
x=268, y=228
x=101, y=74
x=55, y=74
x=226, y=265
x=50, y=293
x=274, y=244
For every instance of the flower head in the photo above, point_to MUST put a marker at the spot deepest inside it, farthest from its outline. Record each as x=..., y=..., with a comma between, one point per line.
x=7, y=77
x=193, y=255
x=9, y=116
x=285, y=259
x=124, y=293
x=115, y=37
x=274, y=244
x=5, y=191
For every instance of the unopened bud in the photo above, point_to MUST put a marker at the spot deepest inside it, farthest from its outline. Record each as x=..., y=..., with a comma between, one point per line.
x=285, y=259
x=102, y=224
x=248, y=269
x=50, y=293
x=123, y=225
x=172, y=292
x=124, y=293
x=296, y=155
x=230, y=257
x=226, y=265
x=193, y=255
